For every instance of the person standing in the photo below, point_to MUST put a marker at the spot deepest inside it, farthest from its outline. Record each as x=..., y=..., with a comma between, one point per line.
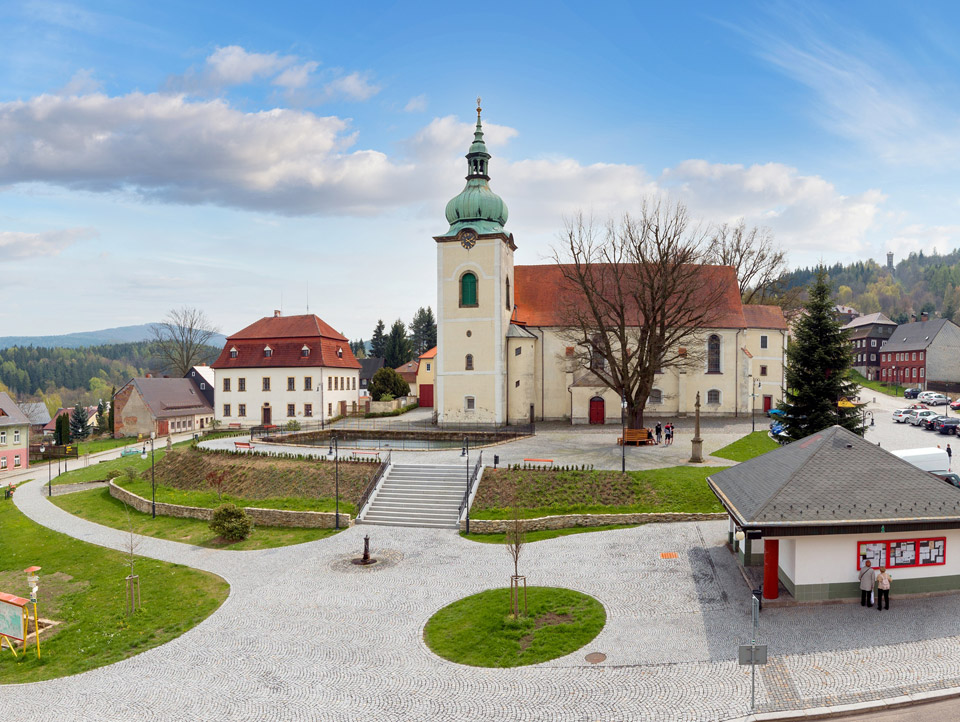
x=949, y=456
x=668, y=434
x=659, y=431
x=868, y=577
x=883, y=589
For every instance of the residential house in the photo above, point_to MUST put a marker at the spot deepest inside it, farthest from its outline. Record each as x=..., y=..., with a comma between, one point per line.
x=160, y=406
x=92, y=419
x=845, y=314
x=14, y=435
x=923, y=354
x=408, y=372
x=368, y=367
x=867, y=336
x=203, y=377
x=285, y=368
x=38, y=414
x=426, y=377
x=502, y=356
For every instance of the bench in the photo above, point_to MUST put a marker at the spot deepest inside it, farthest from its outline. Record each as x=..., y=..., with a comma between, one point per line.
x=243, y=445
x=538, y=461
x=234, y=426
x=636, y=437
x=129, y=452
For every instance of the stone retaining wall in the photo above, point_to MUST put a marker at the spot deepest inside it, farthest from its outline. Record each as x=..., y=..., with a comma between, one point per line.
x=569, y=521
x=262, y=517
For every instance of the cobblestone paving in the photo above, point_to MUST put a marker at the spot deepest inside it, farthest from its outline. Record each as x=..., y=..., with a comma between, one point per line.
x=305, y=636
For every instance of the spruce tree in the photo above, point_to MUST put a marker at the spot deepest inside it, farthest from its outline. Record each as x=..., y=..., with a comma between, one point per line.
x=62, y=427
x=423, y=330
x=113, y=393
x=78, y=422
x=398, y=348
x=818, y=369
x=378, y=342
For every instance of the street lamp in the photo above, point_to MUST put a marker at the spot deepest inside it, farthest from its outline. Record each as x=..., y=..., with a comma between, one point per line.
x=49, y=473
x=623, y=434
x=335, y=448
x=153, y=483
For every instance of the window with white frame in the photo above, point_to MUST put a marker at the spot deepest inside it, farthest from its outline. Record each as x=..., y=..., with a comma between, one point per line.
x=16, y=436
x=16, y=460
x=470, y=403
x=713, y=396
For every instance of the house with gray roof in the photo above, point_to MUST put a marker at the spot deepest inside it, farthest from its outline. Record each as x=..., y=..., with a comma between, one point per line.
x=822, y=506
x=160, y=405
x=923, y=354
x=38, y=415
x=867, y=336
x=14, y=436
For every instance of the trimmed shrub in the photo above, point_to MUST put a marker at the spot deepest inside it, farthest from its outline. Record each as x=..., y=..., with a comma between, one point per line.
x=231, y=522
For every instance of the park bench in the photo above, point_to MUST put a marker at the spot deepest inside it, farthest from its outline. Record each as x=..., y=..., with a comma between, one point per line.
x=636, y=437
x=234, y=426
x=538, y=461
x=243, y=445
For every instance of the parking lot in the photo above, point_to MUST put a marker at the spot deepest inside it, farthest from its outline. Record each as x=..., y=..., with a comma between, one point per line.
x=894, y=436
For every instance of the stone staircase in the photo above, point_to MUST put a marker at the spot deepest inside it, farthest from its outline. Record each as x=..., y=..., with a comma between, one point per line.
x=418, y=496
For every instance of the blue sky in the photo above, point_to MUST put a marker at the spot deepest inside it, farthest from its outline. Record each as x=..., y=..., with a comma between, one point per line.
x=239, y=156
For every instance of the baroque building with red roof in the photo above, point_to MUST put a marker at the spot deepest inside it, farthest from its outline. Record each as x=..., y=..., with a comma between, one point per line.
x=502, y=356
x=285, y=368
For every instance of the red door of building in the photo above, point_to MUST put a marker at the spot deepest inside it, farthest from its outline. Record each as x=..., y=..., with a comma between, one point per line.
x=597, y=412
x=426, y=395
x=767, y=403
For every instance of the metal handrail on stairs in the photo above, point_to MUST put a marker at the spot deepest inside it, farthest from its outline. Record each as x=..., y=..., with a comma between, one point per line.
x=381, y=472
x=471, y=481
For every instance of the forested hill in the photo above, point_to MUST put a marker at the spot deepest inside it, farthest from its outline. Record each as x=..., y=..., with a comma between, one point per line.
x=120, y=334
x=919, y=283
x=77, y=374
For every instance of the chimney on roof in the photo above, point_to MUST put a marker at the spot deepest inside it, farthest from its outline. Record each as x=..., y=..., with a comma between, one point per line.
x=276, y=314
x=924, y=316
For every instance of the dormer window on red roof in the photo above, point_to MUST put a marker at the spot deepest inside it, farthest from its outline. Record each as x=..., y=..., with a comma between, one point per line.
x=267, y=351
x=305, y=351
x=233, y=352
x=339, y=351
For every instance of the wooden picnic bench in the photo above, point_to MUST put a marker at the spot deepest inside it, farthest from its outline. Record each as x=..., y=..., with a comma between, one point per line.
x=234, y=426
x=538, y=461
x=243, y=445
x=636, y=437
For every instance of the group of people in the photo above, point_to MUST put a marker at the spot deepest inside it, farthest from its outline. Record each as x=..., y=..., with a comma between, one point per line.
x=869, y=578
x=664, y=433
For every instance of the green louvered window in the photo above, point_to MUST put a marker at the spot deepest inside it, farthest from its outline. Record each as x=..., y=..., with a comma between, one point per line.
x=468, y=290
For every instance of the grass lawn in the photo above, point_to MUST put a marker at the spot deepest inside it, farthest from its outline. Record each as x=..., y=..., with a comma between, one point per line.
x=480, y=631
x=545, y=493
x=98, y=472
x=208, y=499
x=95, y=445
x=749, y=446
x=98, y=506
x=534, y=536
x=895, y=391
x=82, y=586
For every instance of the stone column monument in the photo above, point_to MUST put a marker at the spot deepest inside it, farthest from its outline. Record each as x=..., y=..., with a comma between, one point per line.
x=696, y=455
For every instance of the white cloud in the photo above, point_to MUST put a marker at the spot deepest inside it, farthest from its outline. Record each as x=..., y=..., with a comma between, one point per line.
x=233, y=65
x=355, y=86
x=919, y=237
x=18, y=246
x=296, y=76
x=81, y=83
x=416, y=104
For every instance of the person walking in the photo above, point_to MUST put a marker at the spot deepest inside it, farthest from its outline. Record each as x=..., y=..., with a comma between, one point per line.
x=868, y=577
x=883, y=589
x=668, y=434
x=659, y=431
x=949, y=456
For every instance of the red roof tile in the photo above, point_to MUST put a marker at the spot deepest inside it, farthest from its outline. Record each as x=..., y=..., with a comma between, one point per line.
x=429, y=354
x=286, y=336
x=541, y=290
x=764, y=316
x=408, y=372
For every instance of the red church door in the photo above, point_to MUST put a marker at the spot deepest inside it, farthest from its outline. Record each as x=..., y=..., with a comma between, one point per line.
x=597, y=413
x=767, y=403
x=426, y=395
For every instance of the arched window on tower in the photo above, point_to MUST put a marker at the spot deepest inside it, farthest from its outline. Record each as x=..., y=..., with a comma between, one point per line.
x=468, y=290
x=509, y=307
x=468, y=362
x=713, y=354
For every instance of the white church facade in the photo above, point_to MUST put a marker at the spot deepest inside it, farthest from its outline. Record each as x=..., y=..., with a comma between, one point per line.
x=502, y=357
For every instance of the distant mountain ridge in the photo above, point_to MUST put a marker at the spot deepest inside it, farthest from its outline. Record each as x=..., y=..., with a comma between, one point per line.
x=120, y=334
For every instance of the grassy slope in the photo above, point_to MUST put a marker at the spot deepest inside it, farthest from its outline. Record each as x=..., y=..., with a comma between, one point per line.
x=545, y=493
x=877, y=385
x=82, y=586
x=479, y=631
x=535, y=536
x=748, y=447
x=98, y=506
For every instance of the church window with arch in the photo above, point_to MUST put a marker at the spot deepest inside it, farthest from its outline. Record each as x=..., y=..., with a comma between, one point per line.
x=468, y=290
x=713, y=396
x=468, y=362
x=713, y=354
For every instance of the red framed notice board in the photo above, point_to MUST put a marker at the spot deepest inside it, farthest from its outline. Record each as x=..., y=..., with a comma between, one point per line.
x=11, y=616
x=900, y=553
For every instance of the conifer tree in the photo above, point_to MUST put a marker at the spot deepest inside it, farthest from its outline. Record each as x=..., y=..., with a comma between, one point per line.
x=423, y=330
x=113, y=393
x=818, y=369
x=62, y=428
x=78, y=422
x=378, y=342
x=398, y=348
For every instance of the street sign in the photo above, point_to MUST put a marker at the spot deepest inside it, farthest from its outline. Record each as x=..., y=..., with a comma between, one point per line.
x=753, y=654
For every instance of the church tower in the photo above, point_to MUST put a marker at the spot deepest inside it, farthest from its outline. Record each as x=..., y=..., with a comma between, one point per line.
x=474, y=298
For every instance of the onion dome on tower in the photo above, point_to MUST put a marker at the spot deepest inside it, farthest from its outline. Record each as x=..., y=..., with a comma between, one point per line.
x=476, y=206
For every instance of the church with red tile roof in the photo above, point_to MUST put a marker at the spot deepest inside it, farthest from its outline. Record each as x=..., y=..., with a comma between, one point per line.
x=501, y=354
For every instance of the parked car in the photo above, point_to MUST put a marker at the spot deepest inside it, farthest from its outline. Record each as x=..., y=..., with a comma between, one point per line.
x=776, y=413
x=920, y=417
x=955, y=405
x=949, y=477
x=917, y=405
x=936, y=400
x=938, y=422
x=910, y=393
x=899, y=414
x=930, y=424
x=949, y=426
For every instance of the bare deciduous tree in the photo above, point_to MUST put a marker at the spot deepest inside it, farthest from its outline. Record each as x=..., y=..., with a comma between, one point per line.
x=133, y=580
x=181, y=336
x=637, y=298
x=760, y=265
x=515, y=540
